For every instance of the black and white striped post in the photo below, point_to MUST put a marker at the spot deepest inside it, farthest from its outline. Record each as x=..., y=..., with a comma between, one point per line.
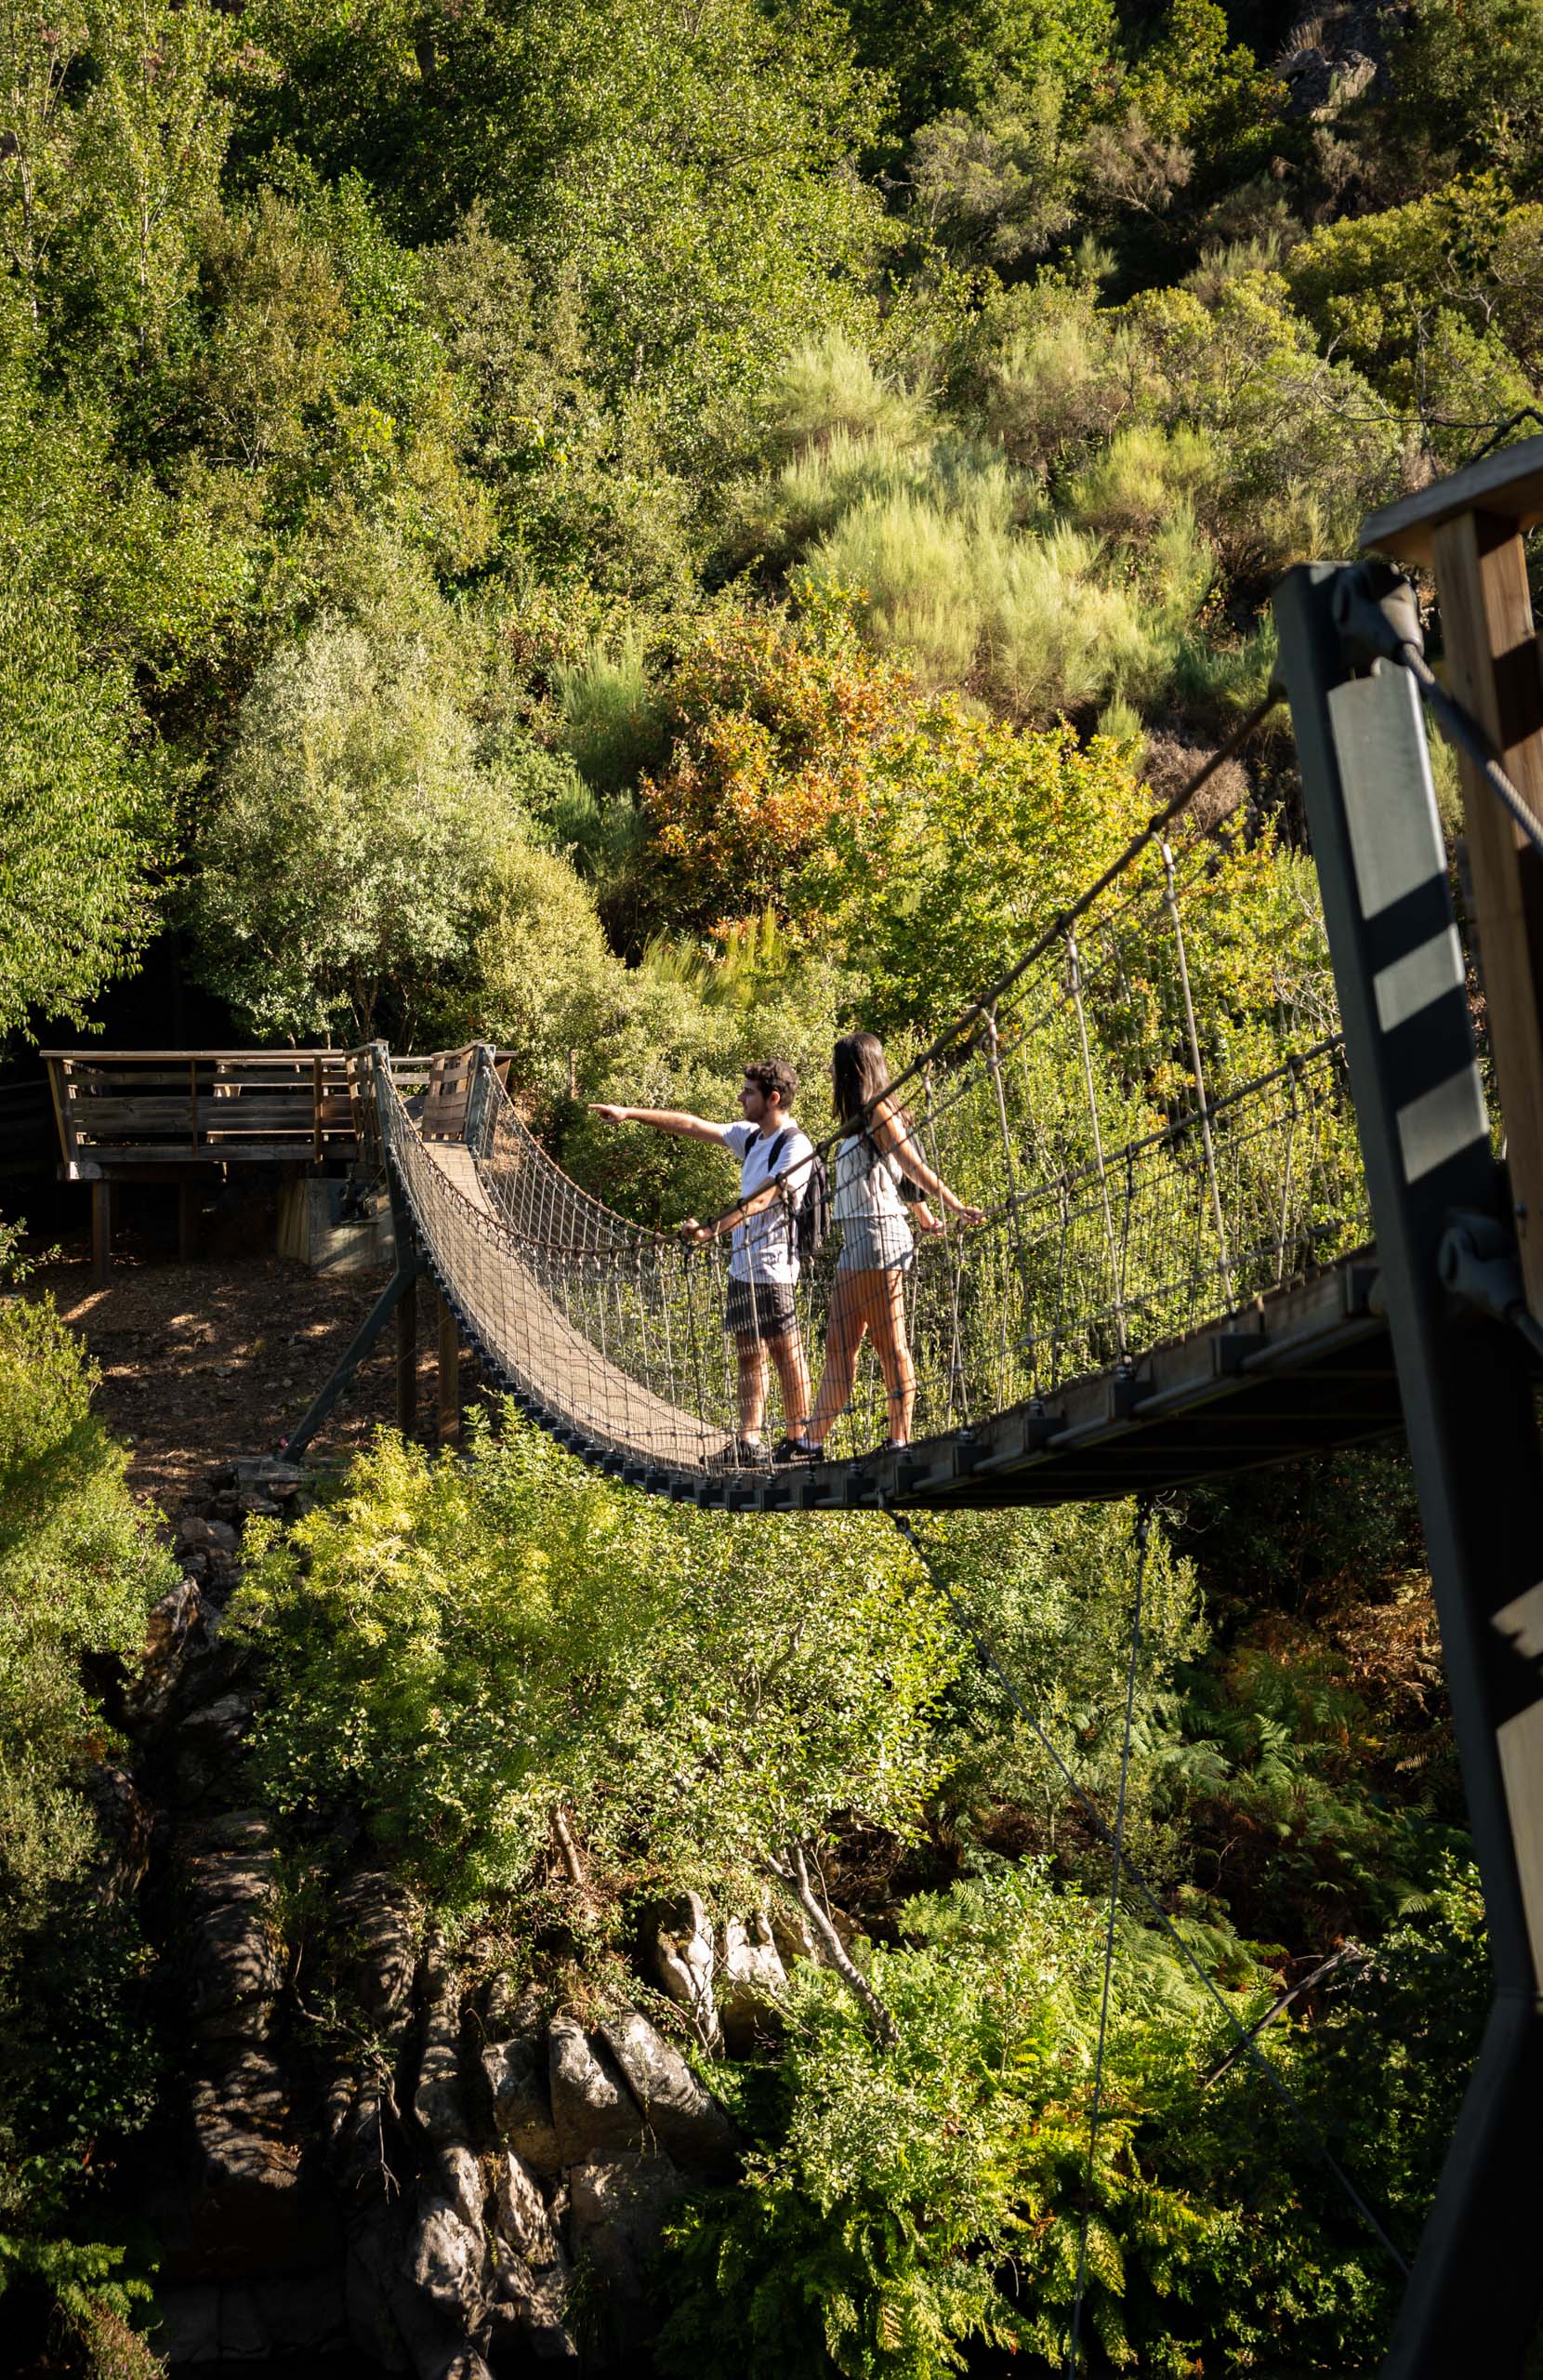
x=1437, y=1190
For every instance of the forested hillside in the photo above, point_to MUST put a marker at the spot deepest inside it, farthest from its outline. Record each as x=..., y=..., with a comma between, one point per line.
x=650, y=535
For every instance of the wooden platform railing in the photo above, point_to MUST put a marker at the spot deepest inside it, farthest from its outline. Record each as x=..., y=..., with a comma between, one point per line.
x=124, y=1108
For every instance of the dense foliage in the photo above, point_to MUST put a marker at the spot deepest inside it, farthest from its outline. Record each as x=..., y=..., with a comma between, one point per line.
x=654, y=535
x=78, y=1571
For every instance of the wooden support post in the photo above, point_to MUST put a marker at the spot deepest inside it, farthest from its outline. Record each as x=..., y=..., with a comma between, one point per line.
x=449, y=1374
x=1468, y=530
x=407, y=1359
x=101, y=1229
x=189, y=1203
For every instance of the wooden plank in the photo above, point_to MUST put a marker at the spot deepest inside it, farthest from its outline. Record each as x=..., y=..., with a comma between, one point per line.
x=1493, y=669
x=1508, y=485
x=92, y=1057
x=129, y=1156
x=316, y=1109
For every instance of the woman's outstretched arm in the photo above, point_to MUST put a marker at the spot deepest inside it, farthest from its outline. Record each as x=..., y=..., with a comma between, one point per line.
x=890, y=1135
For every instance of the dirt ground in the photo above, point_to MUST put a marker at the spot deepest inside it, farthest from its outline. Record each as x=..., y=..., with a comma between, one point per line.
x=204, y=1362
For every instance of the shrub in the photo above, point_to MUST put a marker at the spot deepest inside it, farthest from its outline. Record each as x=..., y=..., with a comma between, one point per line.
x=78, y=1572
x=899, y=2208
x=455, y=1648
x=973, y=835
x=774, y=721
x=611, y=715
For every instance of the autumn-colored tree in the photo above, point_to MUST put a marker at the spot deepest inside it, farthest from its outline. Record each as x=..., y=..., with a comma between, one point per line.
x=775, y=718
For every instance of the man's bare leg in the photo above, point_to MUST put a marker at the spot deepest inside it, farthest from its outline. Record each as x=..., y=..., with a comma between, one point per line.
x=752, y=1384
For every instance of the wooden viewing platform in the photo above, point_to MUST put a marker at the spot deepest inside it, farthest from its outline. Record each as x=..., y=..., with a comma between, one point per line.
x=161, y=1115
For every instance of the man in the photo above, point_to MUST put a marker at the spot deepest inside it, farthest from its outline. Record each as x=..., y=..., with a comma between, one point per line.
x=763, y=1266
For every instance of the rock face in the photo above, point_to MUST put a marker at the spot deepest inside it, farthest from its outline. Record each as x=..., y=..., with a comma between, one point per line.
x=681, y=2116
x=752, y=1980
x=683, y=1959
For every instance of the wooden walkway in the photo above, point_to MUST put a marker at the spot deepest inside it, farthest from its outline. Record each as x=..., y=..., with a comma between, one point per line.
x=523, y=1334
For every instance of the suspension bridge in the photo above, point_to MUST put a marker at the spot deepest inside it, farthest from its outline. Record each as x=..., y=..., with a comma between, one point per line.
x=1258, y=1138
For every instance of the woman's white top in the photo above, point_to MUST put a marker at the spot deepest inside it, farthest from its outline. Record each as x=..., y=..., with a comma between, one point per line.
x=867, y=1186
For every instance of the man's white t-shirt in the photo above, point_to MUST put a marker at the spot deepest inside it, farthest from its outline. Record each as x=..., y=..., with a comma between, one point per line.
x=764, y=1247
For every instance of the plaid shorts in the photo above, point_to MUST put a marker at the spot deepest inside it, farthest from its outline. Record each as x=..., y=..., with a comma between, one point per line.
x=760, y=1309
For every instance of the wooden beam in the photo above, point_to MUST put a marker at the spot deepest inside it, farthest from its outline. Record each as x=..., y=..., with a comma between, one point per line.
x=1492, y=668
x=101, y=1230
x=407, y=1359
x=1509, y=483
x=449, y=1373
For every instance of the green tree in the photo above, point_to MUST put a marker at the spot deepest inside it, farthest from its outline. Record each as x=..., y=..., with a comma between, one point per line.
x=457, y=1648
x=1467, y=88
x=346, y=865
x=943, y=55
x=687, y=175
x=84, y=822
x=150, y=142
x=39, y=187
x=973, y=835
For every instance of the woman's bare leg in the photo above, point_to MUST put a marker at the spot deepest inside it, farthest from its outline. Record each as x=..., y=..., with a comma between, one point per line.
x=787, y=1353
x=844, y=1329
x=884, y=1311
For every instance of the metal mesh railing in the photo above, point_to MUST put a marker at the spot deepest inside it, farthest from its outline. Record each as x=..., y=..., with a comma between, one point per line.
x=1154, y=1116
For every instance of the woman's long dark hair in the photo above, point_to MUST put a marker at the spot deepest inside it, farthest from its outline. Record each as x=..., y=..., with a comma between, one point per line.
x=861, y=1079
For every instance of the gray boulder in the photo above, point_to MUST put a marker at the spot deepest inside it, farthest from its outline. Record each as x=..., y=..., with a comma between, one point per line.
x=685, y=2120
x=682, y=1960
x=437, y=2102
x=447, y=2263
x=595, y=2113
x=752, y=1980
x=375, y=1919
x=618, y=2209
x=517, y=2073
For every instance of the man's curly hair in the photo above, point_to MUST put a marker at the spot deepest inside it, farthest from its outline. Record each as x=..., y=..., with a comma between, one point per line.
x=770, y=1074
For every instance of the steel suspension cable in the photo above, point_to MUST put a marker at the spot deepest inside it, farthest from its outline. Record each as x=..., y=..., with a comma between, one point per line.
x=1117, y=1860
x=971, y=1630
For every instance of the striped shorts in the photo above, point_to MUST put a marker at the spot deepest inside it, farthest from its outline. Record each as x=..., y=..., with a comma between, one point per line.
x=876, y=1244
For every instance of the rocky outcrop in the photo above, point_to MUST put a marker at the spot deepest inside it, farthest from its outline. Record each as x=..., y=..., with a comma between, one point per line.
x=387, y=2168
x=752, y=1981
x=681, y=1959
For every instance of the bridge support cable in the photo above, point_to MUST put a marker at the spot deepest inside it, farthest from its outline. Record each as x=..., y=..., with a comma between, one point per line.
x=1116, y=1861
x=1117, y=1270
x=1467, y=1395
x=972, y=1627
x=1197, y=1067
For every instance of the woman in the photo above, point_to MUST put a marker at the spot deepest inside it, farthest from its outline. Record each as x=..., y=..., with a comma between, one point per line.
x=877, y=1151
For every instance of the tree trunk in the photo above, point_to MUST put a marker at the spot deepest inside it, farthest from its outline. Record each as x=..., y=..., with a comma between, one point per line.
x=791, y=1872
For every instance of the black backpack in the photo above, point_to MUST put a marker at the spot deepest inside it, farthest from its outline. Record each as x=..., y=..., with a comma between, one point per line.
x=809, y=1217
